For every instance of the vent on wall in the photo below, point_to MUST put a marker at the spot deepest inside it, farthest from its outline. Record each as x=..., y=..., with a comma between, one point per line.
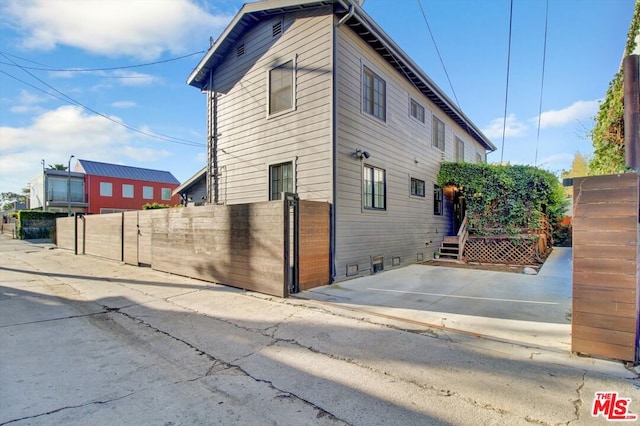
x=352, y=269
x=240, y=50
x=276, y=29
x=395, y=261
x=377, y=264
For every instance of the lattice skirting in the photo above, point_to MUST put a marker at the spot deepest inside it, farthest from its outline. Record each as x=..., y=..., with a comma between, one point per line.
x=501, y=250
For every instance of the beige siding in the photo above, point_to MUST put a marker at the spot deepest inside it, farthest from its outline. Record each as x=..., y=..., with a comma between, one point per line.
x=248, y=140
x=403, y=147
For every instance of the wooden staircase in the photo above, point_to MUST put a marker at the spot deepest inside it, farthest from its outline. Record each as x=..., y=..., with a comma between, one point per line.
x=452, y=247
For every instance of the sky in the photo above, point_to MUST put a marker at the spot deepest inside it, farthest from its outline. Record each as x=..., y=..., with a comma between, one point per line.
x=105, y=80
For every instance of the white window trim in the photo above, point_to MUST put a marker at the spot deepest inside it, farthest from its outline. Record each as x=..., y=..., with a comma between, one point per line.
x=152, y=191
x=418, y=197
x=424, y=111
x=374, y=210
x=464, y=147
x=444, y=133
x=382, y=76
x=294, y=60
x=281, y=160
x=162, y=191
x=133, y=190
x=106, y=183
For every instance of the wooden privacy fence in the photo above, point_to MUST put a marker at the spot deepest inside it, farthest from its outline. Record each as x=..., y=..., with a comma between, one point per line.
x=605, y=266
x=241, y=245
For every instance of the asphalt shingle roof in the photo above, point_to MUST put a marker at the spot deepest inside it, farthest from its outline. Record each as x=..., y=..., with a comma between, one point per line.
x=126, y=172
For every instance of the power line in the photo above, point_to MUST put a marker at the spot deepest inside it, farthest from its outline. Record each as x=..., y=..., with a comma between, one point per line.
x=50, y=69
x=438, y=52
x=506, y=95
x=69, y=100
x=544, y=60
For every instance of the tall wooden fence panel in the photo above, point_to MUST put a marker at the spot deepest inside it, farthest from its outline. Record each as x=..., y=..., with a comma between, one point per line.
x=103, y=235
x=130, y=238
x=314, y=244
x=145, y=229
x=605, y=266
x=65, y=232
x=238, y=245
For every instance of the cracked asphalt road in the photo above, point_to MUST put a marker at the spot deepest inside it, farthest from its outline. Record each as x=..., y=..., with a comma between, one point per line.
x=87, y=341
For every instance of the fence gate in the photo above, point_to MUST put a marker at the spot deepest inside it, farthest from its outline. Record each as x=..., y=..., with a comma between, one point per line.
x=291, y=243
x=606, y=268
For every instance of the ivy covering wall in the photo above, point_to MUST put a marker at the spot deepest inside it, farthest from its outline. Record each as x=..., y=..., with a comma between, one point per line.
x=607, y=134
x=505, y=200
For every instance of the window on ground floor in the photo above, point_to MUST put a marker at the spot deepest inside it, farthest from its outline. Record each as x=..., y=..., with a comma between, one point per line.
x=374, y=187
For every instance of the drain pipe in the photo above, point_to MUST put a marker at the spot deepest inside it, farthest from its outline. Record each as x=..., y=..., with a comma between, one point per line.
x=334, y=106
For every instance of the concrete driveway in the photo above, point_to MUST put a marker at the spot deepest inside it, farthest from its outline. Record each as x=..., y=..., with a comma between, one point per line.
x=527, y=309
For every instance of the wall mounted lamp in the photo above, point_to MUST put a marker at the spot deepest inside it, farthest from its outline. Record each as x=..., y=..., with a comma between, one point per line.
x=360, y=154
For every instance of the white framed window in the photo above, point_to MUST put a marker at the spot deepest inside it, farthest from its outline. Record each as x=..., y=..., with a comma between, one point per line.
x=438, y=133
x=281, y=91
x=374, y=94
x=479, y=158
x=417, y=187
x=374, y=188
x=166, y=194
x=280, y=180
x=147, y=192
x=416, y=110
x=459, y=150
x=437, y=200
x=127, y=190
x=106, y=189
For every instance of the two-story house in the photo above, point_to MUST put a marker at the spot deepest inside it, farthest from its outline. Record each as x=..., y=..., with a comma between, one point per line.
x=313, y=97
x=93, y=187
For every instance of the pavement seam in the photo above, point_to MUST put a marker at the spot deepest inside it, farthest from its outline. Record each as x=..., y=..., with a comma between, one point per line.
x=70, y=407
x=226, y=365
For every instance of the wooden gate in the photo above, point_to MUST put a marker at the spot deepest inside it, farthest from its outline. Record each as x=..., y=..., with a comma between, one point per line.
x=605, y=266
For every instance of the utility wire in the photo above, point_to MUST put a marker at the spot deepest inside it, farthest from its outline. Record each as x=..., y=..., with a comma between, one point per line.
x=544, y=59
x=438, y=51
x=69, y=100
x=506, y=95
x=43, y=68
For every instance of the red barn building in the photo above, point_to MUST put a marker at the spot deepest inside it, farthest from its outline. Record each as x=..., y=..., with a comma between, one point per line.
x=113, y=188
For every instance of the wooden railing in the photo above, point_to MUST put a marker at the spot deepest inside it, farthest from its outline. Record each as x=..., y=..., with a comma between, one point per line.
x=463, y=234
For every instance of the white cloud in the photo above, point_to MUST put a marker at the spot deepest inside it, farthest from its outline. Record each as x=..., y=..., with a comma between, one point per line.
x=573, y=114
x=124, y=104
x=512, y=127
x=56, y=134
x=137, y=28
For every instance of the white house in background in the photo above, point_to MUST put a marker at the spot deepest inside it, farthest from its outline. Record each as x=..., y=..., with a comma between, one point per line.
x=313, y=97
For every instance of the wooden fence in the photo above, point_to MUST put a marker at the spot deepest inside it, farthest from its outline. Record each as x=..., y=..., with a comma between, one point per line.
x=605, y=266
x=239, y=245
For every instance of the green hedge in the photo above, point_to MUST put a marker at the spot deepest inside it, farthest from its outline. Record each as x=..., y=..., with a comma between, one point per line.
x=505, y=200
x=35, y=224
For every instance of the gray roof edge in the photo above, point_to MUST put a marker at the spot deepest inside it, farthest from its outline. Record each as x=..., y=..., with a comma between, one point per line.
x=190, y=181
x=366, y=20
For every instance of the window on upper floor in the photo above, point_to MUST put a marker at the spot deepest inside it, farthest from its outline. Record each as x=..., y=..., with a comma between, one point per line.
x=127, y=191
x=438, y=133
x=374, y=188
x=166, y=194
x=459, y=150
x=374, y=94
x=280, y=180
x=417, y=187
x=437, y=200
x=147, y=192
x=281, y=88
x=416, y=110
x=106, y=189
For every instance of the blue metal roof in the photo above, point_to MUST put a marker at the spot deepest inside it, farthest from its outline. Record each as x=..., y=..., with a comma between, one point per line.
x=126, y=172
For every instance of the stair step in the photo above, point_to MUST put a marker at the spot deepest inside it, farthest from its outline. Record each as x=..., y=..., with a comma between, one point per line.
x=451, y=239
x=451, y=245
x=444, y=250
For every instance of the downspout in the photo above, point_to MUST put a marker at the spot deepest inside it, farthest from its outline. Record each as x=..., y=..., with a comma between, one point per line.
x=334, y=136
